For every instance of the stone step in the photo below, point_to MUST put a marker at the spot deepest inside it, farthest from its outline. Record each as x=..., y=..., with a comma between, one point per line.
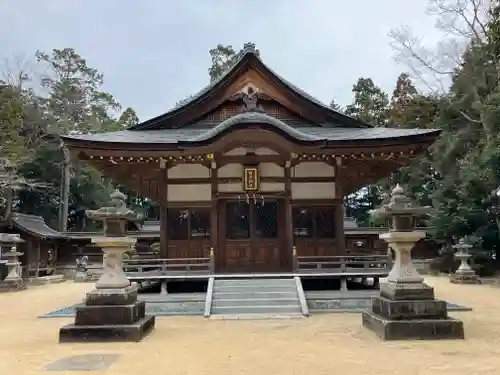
x=256, y=301
x=255, y=309
x=255, y=295
x=258, y=316
x=255, y=282
x=253, y=288
x=266, y=297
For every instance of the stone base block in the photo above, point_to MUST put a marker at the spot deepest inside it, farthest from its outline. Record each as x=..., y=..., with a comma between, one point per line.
x=45, y=280
x=107, y=333
x=400, y=310
x=114, y=314
x=124, y=296
x=81, y=277
x=12, y=285
x=425, y=329
x=405, y=292
x=464, y=278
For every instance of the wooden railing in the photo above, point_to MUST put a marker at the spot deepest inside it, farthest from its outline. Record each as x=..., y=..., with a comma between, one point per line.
x=34, y=269
x=174, y=265
x=170, y=265
x=349, y=264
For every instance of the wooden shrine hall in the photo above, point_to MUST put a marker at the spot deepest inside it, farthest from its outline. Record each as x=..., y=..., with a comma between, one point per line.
x=251, y=170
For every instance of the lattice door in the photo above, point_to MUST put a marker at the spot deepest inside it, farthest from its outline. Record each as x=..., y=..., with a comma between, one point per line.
x=265, y=220
x=237, y=220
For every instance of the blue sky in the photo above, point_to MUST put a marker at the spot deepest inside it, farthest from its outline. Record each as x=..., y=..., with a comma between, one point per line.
x=153, y=53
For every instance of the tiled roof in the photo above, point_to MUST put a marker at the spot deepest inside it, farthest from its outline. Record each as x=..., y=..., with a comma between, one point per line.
x=35, y=225
x=248, y=54
x=301, y=133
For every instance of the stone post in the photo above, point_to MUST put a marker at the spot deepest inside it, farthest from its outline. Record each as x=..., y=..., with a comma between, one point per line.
x=111, y=311
x=13, y=281
x=464, y=274
x=406, y=307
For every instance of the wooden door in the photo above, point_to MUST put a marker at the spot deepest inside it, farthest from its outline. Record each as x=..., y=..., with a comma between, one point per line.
x=252, y=237
x=268, y=236
x=235, y=242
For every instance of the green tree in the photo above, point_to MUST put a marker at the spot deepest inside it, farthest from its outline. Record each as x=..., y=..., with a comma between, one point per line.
x=21, y=131
x=370, y=103
x=335, y=106
x=223, y=58
x=74, y=98
x=128, y=118
x=72, y=103
x=462, y=168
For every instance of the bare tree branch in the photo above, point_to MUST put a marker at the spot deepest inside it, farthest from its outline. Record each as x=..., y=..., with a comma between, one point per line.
x=17, y=71
x=468, y=118
x=461, y=21
x=423, y=62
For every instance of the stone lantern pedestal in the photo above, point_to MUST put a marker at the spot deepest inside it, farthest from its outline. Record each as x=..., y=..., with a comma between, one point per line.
x=406, y=307
x=13, y=281
x=464, y=274
x=111, y=311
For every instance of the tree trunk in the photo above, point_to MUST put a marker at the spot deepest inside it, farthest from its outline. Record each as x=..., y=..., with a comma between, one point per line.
x=64, y=192
x=9, y=198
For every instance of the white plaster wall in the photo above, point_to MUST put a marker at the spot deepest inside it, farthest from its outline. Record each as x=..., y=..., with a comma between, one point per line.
x=230, y=171
x=272, y=186
x=313, y=190
x=189, y=193
x=271, y=170
x=234, y=187
x=313, y=169
x=189, y=171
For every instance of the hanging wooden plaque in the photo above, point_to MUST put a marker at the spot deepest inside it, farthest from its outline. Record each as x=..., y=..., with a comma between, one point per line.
x=251, y=179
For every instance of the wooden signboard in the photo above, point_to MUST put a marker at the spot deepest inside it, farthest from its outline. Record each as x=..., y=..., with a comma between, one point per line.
x=251, y=179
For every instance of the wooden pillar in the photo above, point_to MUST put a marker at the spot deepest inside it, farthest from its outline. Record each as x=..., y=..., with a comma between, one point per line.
x=214, y=210
x=339, y=208
x=291, y=257
x=38, y=257
x=55, y=256
x=28, y=255
x=164, y=212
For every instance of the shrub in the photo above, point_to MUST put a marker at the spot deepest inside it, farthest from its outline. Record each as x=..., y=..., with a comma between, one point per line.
x=444, y=264
x=483, y=264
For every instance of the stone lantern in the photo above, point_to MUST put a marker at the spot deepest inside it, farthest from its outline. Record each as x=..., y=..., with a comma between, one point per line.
x=464, y=274
x=111, y=311
x=8, y=248
x=406, y=307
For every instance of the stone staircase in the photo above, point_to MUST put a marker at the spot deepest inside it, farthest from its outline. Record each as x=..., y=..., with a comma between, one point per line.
x=257, y=298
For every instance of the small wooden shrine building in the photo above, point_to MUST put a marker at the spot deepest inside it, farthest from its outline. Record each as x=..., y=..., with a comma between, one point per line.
x=40, y=243
x=251, y=166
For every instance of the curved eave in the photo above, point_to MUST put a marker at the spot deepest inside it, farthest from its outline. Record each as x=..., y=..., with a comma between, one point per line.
x=94, y=143
x=248, y=59
x=425, y=138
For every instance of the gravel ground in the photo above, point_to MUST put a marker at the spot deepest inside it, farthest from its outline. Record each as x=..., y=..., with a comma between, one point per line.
x=322, y=344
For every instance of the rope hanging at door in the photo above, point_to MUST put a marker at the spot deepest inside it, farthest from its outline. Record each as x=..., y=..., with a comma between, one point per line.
x=252, y=197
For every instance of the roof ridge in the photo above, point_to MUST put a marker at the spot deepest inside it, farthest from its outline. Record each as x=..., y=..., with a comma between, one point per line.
x=248, y=50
